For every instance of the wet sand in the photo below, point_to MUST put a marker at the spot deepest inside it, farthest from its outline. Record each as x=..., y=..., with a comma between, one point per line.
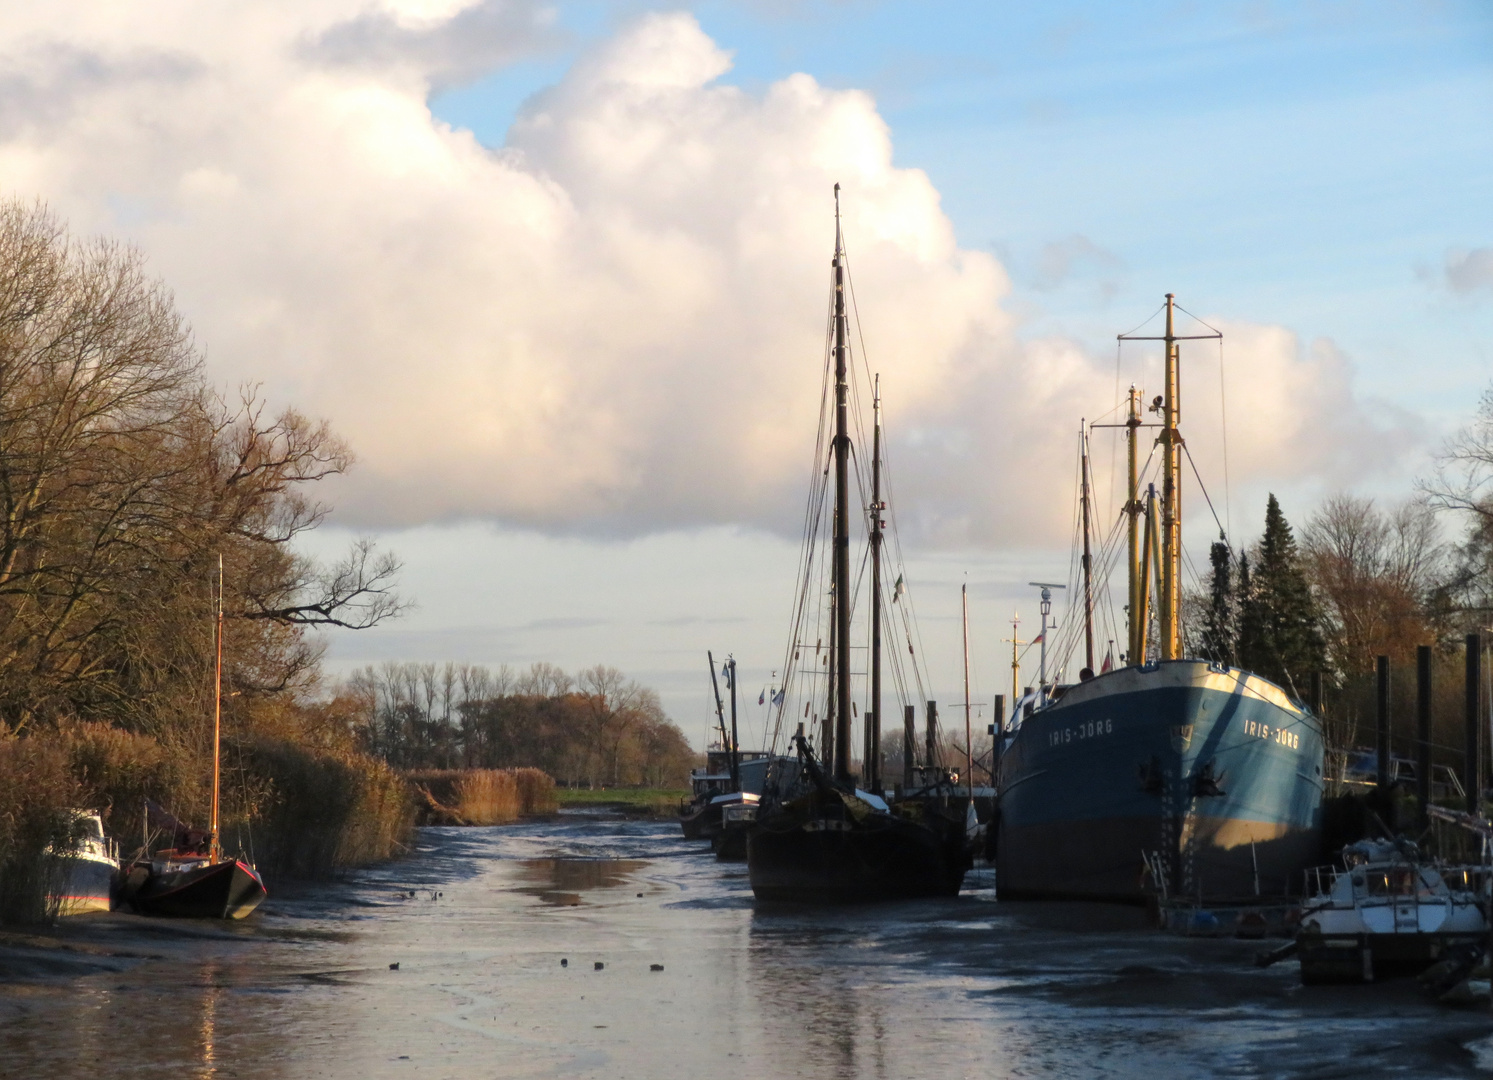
x=479, y=920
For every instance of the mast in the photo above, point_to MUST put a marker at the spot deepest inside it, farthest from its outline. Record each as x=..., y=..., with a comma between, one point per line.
x=215, y=848
x=969, y=753
x=841, y=572
x=1171, y=501
x=735, y=747
x=1088, y=582
x=1015, y=663
x=873, y=717
x=1148, y=550
x=720, y=711
x=1136, y=650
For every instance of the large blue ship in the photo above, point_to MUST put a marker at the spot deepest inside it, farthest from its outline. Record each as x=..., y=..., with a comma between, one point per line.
x=1170, y=776
x=1209, y=773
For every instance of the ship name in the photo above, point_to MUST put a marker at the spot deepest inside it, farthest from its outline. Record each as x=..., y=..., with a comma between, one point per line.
x=1279, y=736
x=1089, y=729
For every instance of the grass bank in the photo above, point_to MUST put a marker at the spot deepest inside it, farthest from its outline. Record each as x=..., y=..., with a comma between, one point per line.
x=644, y=802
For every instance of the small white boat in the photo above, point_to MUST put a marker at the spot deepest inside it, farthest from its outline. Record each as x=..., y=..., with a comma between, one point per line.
x=1387, y=912
x=89, y=870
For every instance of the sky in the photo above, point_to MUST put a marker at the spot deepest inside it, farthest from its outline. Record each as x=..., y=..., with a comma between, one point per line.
x=558, y=272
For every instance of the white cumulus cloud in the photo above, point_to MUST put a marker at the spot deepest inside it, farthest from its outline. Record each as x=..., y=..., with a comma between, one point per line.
x=615, y=322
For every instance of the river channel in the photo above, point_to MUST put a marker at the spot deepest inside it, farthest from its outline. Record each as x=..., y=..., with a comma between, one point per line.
x=590, y=946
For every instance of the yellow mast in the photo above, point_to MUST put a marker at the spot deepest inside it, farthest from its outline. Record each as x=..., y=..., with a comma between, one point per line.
x=1136, y=647
x=1171, y=501
x=1016, y=642
x=1168, y=531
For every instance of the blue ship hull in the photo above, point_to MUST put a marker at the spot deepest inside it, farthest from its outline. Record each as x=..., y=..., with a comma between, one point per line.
x=1216, y=770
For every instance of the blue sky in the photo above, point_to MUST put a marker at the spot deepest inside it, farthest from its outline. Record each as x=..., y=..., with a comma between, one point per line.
x=1304, y=164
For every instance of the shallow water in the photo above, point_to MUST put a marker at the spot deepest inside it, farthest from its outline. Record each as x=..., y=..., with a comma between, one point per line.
x=479, y=920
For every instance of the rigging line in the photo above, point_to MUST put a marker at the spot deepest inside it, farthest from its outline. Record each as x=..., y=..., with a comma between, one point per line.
x=1204, y=490
x=1223, y=415
x=1189, y=314
x=1153, y=315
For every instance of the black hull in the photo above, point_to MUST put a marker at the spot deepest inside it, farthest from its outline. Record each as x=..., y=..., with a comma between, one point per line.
x=730, y=845
x=838, y=862
x=226, y=890
x=701, y=822
x=1340, y=958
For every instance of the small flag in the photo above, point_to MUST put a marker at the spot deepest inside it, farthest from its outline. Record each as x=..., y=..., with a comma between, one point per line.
x=1039, y=638
x=777, y=699
x=1109, y=662
x=899, y=589
x=762, y=698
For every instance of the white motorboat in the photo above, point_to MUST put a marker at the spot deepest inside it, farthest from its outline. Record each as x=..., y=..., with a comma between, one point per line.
x=1387, y=912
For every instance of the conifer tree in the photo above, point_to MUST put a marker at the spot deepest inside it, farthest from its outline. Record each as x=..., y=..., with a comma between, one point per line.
x=1219, y=623
x=1280, y=634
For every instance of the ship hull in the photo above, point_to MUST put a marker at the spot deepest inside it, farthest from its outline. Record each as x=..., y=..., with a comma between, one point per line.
x=225, y=890
x=825, y=861
x=1215, y=771
x=89, y=885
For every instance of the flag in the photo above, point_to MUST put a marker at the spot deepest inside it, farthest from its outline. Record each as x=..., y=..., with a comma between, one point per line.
x=762, y=698
x=899, y=589
x=1109, y=662
x=1039, y=638
x=777, y=699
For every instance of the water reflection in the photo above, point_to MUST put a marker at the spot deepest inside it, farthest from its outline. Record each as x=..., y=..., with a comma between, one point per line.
x=562, y=881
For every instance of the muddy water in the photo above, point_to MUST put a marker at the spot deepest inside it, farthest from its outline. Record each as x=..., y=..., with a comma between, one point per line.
x=479, y=922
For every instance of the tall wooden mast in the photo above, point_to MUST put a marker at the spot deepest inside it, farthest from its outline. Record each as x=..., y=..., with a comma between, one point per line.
x=1088, y=562
x=841, y=570
x=873, y=716
x=215, y=846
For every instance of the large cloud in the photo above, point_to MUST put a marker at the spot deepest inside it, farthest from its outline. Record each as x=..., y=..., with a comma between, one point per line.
x=614, y=323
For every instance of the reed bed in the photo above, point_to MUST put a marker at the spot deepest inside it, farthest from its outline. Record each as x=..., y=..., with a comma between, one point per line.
x=481, y=796
x=319, y=811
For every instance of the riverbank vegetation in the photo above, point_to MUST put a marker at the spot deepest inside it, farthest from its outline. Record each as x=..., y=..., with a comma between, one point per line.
x=124, y=477
x=481, y=796
x=1362, y=580
x=597, y=728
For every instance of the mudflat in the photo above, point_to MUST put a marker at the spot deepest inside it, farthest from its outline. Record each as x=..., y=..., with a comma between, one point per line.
x=593, y=945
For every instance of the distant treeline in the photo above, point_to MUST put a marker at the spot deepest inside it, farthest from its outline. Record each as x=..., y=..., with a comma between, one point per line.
x=596, y=728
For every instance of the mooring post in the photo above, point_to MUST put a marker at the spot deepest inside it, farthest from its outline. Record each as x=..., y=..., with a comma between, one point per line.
x=931, y=744
x=1473, y=780
x=1423, y=731
x=909, y=745
x=1381, y=722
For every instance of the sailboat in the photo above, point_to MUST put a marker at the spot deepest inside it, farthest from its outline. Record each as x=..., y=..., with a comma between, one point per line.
x=193, y=878
x=1200, y=774
x=819, y=837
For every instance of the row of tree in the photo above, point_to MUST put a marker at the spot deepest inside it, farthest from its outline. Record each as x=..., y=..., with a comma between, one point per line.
x=597, y=728
x=1359, y=581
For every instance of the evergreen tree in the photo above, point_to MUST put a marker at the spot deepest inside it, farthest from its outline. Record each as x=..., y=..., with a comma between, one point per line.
x=1219, y=623
x=1280, y=634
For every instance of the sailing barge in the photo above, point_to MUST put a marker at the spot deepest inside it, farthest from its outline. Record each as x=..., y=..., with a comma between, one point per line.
x=819, y=837
x=1215, y=770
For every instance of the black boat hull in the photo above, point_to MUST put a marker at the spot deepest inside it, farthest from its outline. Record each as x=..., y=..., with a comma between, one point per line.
x=827, y=861
x=700, y=822
x=225, y=890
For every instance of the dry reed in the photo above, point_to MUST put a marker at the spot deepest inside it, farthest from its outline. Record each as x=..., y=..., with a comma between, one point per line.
x=481, y=796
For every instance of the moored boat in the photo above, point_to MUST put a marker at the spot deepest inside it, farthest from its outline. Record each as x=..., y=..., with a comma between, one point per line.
x=1211, y=773
x=1388, y=912
x=818, y=835
x=193, y=878
x=89, y=869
